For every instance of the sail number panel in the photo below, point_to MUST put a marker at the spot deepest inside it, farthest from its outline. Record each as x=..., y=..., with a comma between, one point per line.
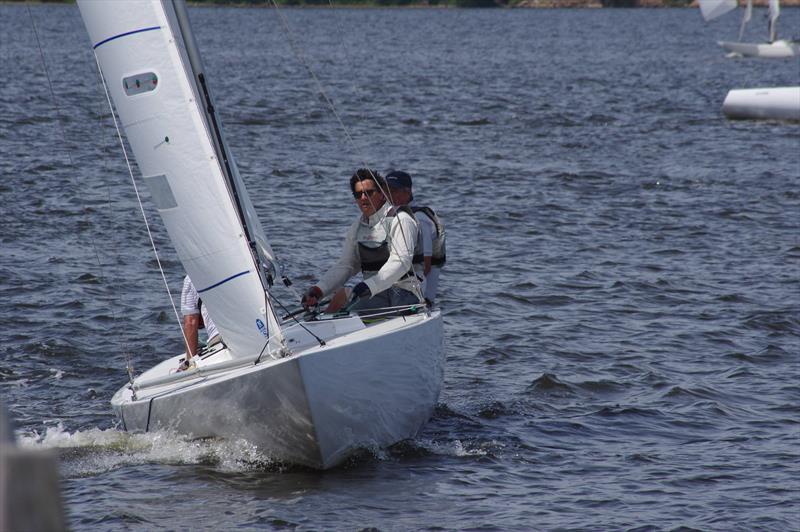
x=161, y=192
x=139, y=83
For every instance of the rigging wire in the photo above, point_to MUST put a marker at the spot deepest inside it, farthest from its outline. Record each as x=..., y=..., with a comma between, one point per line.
x=298, y=322
x=298, y=52
x=300, y=55
x=139, y=200
x=59, y=121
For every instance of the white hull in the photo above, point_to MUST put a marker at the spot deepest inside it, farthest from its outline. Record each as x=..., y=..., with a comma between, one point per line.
x=368, y=388
x=777, y=103
x=774, y=50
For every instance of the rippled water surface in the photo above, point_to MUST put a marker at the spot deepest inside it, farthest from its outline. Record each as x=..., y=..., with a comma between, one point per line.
x=622, y=292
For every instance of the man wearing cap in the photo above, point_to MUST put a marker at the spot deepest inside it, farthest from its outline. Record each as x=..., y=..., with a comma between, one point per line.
x=380, y=245
x=429, y=253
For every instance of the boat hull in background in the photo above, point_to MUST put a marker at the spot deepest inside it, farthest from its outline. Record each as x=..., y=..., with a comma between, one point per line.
x=774, y=50
x=775, y=103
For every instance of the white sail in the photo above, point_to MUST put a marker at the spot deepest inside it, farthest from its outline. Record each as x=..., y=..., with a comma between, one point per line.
x=347, y=384
x=143, y=56
x=711, y=9
x=774, y=13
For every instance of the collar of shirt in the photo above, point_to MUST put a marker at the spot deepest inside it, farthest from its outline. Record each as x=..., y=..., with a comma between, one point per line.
x=379, y=215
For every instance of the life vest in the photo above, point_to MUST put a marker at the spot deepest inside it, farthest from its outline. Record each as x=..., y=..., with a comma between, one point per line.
x=374, y=254
x=438, y=250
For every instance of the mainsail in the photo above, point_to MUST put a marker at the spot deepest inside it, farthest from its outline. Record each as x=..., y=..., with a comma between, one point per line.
x=711, y=9
x=152, y=70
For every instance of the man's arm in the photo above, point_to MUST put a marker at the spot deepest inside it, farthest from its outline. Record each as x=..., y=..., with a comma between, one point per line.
x=346, y=267
x=191, y=317
x=427, y=263
x=404, y=238
x=427, y=228
x=191, y=328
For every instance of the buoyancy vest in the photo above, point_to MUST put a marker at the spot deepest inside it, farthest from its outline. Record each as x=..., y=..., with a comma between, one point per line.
x=374, y=253
x=438, y=251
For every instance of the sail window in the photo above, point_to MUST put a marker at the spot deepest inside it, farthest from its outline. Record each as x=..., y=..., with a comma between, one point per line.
x=140, y=83
x=161, y=192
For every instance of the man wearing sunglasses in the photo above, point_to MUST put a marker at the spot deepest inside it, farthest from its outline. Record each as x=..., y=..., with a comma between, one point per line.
x=380, y=245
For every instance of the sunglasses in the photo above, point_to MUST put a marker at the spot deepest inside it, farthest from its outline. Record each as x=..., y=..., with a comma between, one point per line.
x=366, y=192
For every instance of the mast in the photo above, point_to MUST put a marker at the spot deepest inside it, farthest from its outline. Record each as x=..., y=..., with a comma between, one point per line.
x=748, y=14
x=247, y=218
x=220, y=145
x=774, y=13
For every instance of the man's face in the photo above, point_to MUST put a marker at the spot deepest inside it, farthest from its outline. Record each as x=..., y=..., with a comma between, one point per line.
x=400, y=196
x=368, y=197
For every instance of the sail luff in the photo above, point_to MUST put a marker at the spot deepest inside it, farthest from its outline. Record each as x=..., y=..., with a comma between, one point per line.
x=251, y=226
x=196, y=74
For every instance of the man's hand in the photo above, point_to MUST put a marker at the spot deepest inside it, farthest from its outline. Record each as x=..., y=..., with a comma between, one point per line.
x=361, y=291
x=311, y=297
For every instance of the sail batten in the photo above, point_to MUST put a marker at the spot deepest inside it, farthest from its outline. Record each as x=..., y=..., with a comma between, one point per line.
x=133, y=32
x=231, y=278
x=186, y=165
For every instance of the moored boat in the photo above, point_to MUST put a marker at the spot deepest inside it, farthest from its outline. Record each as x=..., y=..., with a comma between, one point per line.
x=776, y=103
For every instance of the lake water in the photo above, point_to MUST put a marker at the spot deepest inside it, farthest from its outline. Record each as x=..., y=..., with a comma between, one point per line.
x=621, y=298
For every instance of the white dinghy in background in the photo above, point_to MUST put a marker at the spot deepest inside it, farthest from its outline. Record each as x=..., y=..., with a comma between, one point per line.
x=770, y=103
x=309, y=391
x=774, y=48
x=769, y=50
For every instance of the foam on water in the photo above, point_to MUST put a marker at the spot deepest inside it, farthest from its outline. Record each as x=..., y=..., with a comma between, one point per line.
x=621, y=307
x=95, y=451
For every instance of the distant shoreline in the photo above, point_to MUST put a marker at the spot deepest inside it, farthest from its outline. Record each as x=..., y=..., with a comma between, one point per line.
x=444, y=4
x=448, y=4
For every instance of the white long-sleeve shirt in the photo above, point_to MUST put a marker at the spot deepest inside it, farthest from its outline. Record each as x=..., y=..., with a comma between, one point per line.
x=427, y=231
x=401, y=233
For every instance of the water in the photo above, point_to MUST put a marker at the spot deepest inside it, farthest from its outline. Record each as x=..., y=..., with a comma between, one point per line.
x=621, y=295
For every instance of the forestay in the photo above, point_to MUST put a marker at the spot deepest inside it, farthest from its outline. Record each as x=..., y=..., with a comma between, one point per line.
x=144, y=56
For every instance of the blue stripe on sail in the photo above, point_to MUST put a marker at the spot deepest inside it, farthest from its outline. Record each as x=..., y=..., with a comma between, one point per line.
x=232, y=277
x=125, y=35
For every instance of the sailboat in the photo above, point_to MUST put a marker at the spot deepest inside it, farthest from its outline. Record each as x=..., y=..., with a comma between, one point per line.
x=774, y=48
x=310, y=390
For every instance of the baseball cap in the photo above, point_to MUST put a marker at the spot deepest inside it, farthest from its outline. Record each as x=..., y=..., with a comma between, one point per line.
x=398, y=179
